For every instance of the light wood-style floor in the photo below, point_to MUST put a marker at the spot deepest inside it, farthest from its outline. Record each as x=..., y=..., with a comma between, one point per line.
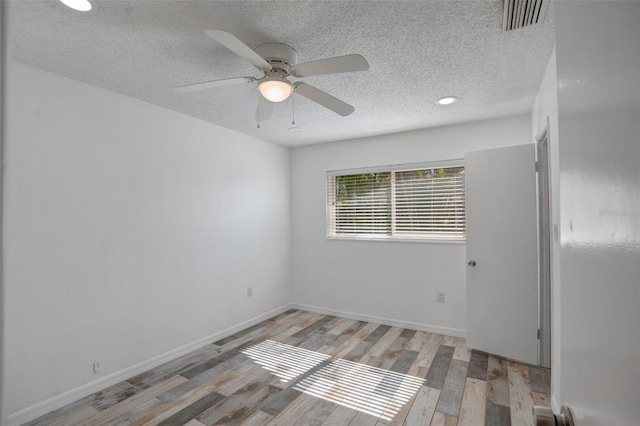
x=302, y=368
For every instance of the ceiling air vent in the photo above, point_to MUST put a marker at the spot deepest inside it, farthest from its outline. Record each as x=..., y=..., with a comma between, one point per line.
x=522, y=13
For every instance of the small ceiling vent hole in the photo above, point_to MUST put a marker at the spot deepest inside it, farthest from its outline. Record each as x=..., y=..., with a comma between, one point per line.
x=522, y=13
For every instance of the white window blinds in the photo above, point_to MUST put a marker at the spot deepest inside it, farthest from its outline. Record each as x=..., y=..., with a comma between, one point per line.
x=423, y=203
x=361, y=204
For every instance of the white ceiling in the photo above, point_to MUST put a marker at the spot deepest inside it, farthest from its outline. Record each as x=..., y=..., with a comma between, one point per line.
x=418, y=51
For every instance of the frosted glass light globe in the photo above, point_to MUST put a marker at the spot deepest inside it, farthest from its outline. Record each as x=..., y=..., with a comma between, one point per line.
x=275, y=89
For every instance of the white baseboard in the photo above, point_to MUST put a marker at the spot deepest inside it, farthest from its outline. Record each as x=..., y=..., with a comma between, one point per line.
x=58, y=401
x=455, y=332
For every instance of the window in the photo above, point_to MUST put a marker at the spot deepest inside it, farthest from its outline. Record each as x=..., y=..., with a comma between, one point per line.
x=397, y=202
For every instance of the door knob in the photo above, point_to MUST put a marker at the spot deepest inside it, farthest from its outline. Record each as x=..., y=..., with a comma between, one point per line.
x=471, y=263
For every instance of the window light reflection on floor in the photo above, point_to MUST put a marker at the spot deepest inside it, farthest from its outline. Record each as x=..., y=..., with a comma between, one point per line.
x=284, y=361
x=381, y=393
x=375, y=391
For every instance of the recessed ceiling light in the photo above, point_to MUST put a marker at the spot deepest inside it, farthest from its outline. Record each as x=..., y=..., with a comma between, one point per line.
x=80, y=5
x=447, y=100
x=295, y=129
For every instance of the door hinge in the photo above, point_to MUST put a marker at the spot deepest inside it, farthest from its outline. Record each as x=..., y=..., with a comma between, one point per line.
x=538, y=334
x=537, y=166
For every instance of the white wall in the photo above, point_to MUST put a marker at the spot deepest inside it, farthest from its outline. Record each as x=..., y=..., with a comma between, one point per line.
x=545, y=113
x=395, y=281
x=598, y=64
x=130, y=231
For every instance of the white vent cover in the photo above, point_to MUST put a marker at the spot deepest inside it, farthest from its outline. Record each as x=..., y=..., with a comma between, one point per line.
x=521, y=13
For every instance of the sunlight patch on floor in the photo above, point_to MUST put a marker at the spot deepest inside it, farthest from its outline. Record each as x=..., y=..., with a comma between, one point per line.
x=284, y=361
x=375, y=391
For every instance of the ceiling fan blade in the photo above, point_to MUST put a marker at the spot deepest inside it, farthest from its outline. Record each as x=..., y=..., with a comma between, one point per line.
x=265, y=109
x=324, y=99
x=334, y=65
x=232, y=43
x=213, y=83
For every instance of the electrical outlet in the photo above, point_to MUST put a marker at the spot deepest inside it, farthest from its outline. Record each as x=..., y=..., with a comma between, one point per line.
x=441, y=297
x=96, y=366
x=249, y=291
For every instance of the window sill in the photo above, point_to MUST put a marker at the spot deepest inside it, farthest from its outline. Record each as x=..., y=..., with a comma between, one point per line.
x=398, y=240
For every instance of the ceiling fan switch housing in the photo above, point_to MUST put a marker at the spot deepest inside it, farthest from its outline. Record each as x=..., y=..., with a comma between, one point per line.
x=280, y=54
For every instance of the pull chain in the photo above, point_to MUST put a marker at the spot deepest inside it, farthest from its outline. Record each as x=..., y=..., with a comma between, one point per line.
x=258, y=113
x=293, y=111
x=293, y=127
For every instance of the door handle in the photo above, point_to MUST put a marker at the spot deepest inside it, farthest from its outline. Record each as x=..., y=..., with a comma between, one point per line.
x=471, y=263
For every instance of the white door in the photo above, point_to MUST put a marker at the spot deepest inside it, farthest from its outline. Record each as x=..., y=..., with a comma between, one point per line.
x=502, y=266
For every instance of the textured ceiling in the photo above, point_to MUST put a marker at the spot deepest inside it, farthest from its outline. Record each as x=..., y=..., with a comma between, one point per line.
x=418, y=51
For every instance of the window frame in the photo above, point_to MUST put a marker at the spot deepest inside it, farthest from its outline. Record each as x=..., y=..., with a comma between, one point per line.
x=390, y=168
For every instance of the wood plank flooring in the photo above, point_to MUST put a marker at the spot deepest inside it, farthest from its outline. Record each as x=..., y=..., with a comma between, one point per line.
x=303, y=368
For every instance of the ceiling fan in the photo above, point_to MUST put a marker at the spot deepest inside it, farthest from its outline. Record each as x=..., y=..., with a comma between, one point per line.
x=278, y=62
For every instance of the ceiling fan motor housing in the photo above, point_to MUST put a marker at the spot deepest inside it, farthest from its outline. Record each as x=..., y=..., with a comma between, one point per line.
x=280, y=56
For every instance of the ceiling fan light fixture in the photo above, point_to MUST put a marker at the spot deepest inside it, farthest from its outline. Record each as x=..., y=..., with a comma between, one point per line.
x=79, y=5
x=275, y=89
x=447, y=100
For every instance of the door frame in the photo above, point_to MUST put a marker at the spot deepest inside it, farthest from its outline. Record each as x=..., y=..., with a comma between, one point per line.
x=3, y=74
x=544, y=247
